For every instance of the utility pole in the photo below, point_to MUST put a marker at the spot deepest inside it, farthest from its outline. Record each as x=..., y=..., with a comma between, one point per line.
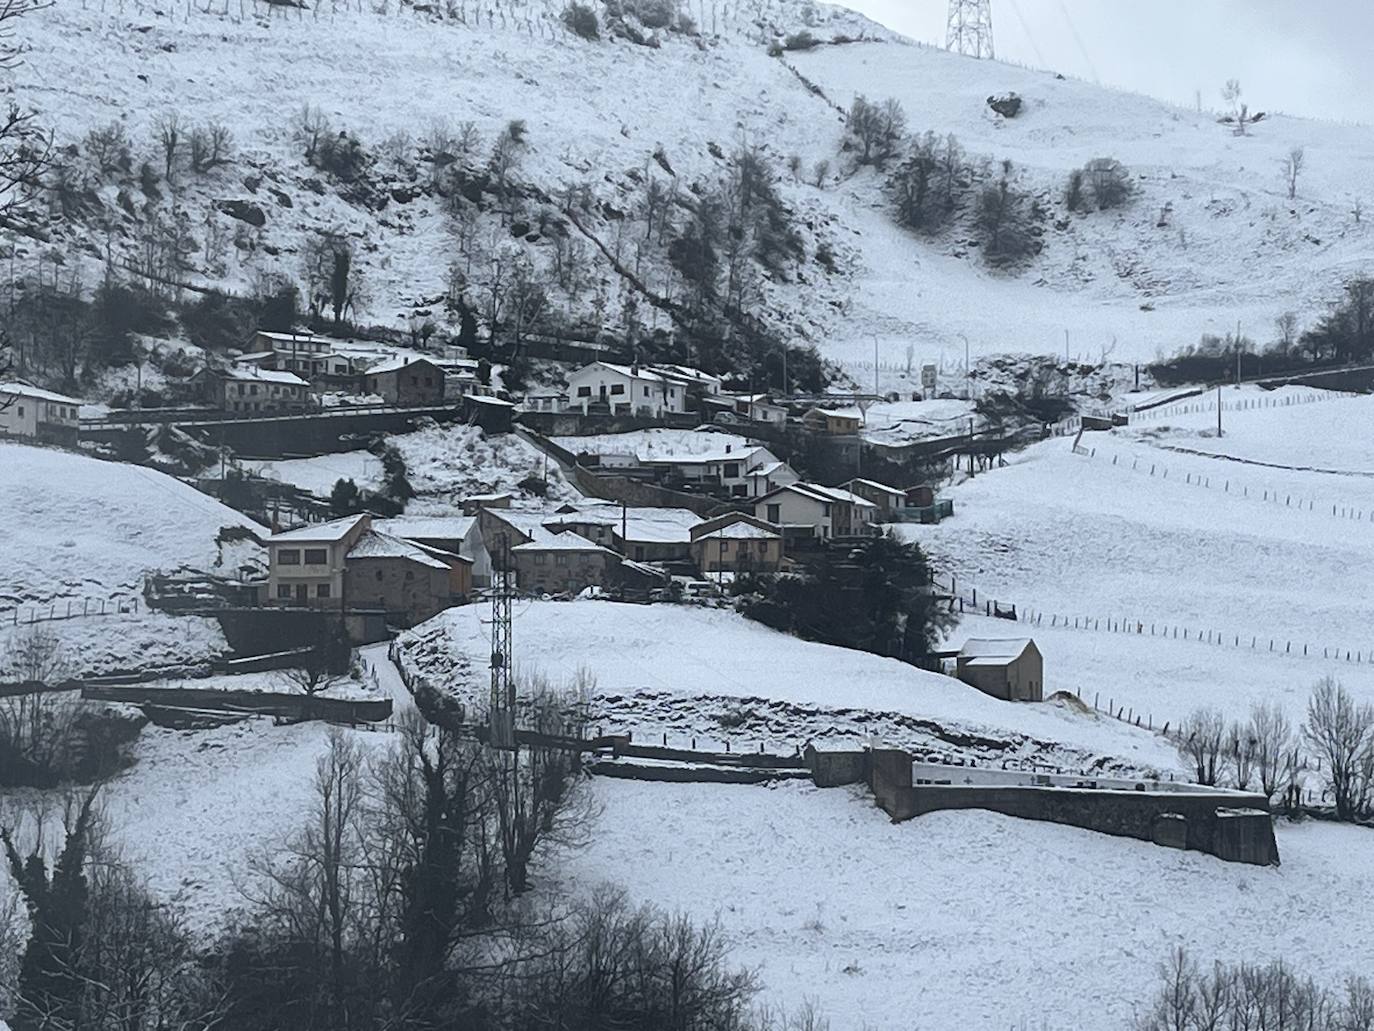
x=1218, y=409
x=501, y=713
x=1238, y=347
x=876, y=391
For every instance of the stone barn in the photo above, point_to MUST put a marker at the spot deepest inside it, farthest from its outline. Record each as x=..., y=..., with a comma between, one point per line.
x=1012, y=670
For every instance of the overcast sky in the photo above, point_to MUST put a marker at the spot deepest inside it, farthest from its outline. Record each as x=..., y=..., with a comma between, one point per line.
x=1302, y=57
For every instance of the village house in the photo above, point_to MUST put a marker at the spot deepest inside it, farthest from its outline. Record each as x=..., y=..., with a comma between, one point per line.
x=736, y=543
x=1011, y=670
x=553, y=563
x=405, y=381
x=759, y=408
x=699, y=384
x=838, y=421
x=748, y=471
x=808, y=510
x=443, y=533
x=248, y=389
x=346, y=565
x=310, y=357
x=27, y=411
x=544, y=399
x=625, y=390
x=889, y=500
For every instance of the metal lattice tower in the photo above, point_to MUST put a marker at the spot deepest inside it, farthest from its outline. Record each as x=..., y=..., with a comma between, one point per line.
x=501, y=714
x=970, y=28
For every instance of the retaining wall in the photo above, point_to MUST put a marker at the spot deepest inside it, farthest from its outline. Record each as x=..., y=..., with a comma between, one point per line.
x=270, y=703
x=1234, y=826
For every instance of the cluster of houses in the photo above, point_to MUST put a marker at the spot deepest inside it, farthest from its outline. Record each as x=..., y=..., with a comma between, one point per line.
x=281, y=372
x=655, y=391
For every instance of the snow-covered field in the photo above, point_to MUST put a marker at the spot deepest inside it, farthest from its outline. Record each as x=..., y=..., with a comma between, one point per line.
x=1216, y=548
x=79, y=529
x=124, y=642
x=965, y=920
x=710, y=675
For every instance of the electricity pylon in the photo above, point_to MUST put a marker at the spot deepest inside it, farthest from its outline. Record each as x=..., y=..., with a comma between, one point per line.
x=501, y=712
x=970, y=28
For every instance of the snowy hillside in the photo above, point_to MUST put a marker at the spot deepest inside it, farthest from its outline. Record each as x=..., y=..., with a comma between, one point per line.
x=80, y=530
x=1210, y=239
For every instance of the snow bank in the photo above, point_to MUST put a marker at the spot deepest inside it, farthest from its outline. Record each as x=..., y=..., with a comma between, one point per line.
x=964, y=919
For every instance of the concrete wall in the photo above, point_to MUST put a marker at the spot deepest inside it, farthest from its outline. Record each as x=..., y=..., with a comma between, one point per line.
x=1234, y=826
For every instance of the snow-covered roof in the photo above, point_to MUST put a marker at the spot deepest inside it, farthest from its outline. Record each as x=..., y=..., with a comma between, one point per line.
x=769, y=469
x=685, y=372
x=565, y=541
x=992, y=652
x=704, y=458
x=252, y=375
x=294, y=338
x=875, y=485
x=624, y=370
x=840, y=413
x=321, y=533
x=426, y=527
x=496, y=402
x=740, y=531
x=37, y=393
x=826, y=495
x=395, y=364
x=380, y=545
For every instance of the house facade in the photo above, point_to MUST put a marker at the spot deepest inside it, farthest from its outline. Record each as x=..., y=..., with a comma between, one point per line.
x=249, y=389
x=27, y=411
x=625, y=390
x=346, y=565
x=888, y=499
x=305, y=567
x=1012, y=670
x=838, y=421
x=759, y=408
x=406, y=381
x=749, y=471
x=736, y=543
x=554, y=563
x=810, y=510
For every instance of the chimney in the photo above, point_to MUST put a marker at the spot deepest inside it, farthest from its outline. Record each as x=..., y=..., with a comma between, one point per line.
x=727, y=448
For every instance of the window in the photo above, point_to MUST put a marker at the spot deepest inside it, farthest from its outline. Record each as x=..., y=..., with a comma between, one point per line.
x=646, y=391
x=283, y=591
x=560, y=560
x=253, y=389
x=539, y=559
x=732, y=470
x=763, y=549
x=322, y=591
x=584, y=391
x=379, y=574
x=825, y=510
x=724, y=547
x=21, y=411
x=289, y=557
x=316, y=556
x=774, y=513
x=617, y=388
x=240, y=390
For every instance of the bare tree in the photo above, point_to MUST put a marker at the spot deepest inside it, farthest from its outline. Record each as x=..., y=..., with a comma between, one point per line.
x=1341, y=733
x=535, y=784
x=310, y=127
x=1287, y=326
x=875, y=129
x=820, y=172
x=210, y=146
x=1272, y=736
x=24, y=147
x=1357, y=210
x=1240, y=116
x=322, y=665
x=36, y=726
x=1201, y=739
x=169, y=138
x=1292, y=168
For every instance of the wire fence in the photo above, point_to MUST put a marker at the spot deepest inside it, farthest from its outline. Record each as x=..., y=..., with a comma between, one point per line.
x=1278, y=497
x=1245, y=404
x=71, y=608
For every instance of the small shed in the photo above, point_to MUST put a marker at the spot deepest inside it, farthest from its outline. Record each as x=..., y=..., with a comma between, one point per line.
x=1012, y=670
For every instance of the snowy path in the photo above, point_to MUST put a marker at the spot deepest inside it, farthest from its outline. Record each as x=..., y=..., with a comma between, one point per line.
x=378, y=662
